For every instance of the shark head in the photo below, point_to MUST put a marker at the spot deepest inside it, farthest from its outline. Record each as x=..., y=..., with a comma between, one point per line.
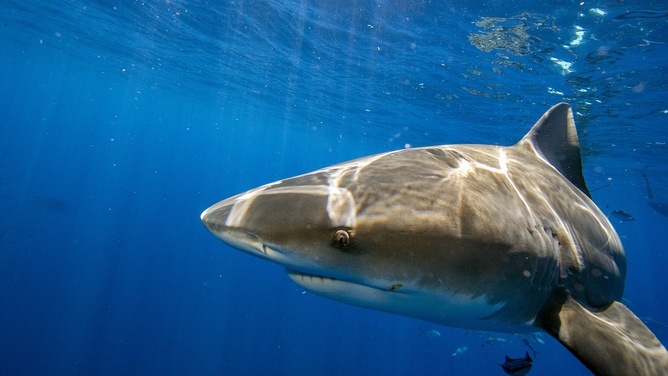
x=300, y=223
x=471, y=236
x=348, y=233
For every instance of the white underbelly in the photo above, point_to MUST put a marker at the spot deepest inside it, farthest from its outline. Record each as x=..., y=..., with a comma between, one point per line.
x=453, y=310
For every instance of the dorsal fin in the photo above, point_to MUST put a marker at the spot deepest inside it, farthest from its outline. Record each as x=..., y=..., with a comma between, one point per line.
x=555, y=138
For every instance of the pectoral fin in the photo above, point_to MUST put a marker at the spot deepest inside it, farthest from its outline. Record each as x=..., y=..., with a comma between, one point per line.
x=613, y=342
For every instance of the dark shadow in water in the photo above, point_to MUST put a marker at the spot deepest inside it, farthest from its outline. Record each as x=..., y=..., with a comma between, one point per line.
x=659, y=206
x=49, y=204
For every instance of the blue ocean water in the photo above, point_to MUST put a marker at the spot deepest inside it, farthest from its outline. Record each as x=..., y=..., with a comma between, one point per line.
x=123, y=120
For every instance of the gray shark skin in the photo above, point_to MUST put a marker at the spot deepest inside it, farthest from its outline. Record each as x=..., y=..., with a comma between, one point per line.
x=480, y=237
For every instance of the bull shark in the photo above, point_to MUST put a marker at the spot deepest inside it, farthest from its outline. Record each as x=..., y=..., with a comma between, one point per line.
x=481, y=237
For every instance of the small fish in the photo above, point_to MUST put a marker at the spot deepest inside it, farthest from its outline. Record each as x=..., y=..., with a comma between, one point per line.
x=496, y=341
x=477, y=333
x=459, y=351
x=520, y=366
x=528, y=344
x=430, y=333
x=653, y=322
x=622, y=215
x=538, y=337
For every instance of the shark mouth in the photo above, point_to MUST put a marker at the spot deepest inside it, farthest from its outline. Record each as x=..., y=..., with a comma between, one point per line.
x=311, y=278
x=315, y=283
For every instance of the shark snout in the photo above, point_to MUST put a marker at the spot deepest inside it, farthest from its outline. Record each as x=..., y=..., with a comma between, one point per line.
x=216, y=219
x=220, y=220
x=285, y=222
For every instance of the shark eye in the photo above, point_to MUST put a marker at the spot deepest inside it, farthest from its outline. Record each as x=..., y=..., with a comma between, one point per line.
x=341, y=238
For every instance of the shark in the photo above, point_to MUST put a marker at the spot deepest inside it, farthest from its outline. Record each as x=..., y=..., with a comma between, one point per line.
x=480, y=237
x=658, y=206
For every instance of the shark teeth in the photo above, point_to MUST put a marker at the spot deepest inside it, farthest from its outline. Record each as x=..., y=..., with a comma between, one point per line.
x=309, y=277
